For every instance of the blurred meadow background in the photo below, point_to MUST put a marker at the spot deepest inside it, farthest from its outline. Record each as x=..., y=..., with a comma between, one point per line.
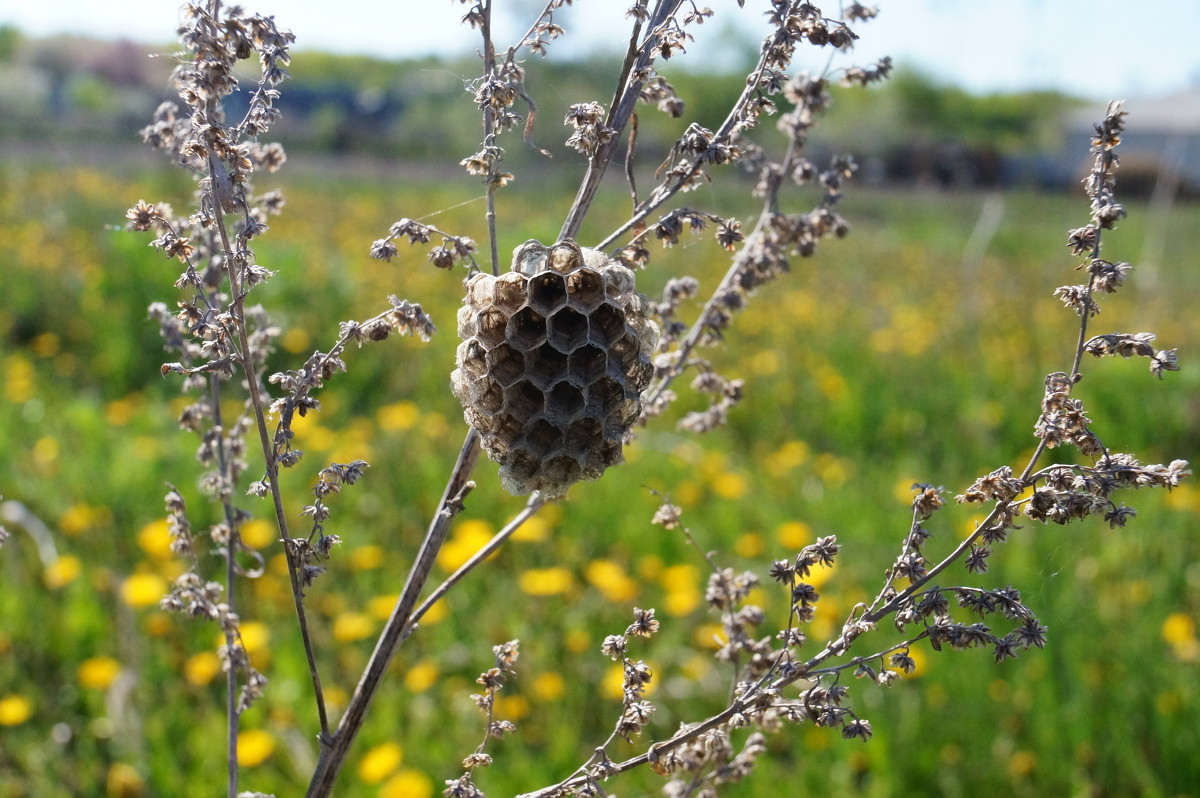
x=911, y=351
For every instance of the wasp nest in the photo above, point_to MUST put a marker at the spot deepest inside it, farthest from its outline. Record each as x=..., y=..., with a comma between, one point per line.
x=554, y=357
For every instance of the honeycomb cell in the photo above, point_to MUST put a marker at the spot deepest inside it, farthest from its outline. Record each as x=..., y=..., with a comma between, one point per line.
x=564, y=257
x=626, y=350
x=586, y=364
x=506, y=364
x=489, y=396
x=508, y=428
x=564, y=402
x=639, y=374
x=542, y=438
x=526, y=329
x=524, y=400
x=584, y=434
x=605, y=394
x=545, y=365
x=619, y=280
x=529, y=258
x=567, y=330
x=509, y=292
x=564, y=469
x=491, y=324
x=523, y=464
x=607, y=325
x=472, y=359
x=585, y=289
x=480, y=289
x=628, y=412
x=467, y=326
x=547, y=293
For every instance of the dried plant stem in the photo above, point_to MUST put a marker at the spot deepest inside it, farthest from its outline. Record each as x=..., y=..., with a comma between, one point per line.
x=335, y=747
x=270, y=464
x=624, y=102
x=535, y=503
x=232, y=716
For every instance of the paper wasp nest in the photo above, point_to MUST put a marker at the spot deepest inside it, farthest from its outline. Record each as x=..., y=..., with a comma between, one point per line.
x=554, y=357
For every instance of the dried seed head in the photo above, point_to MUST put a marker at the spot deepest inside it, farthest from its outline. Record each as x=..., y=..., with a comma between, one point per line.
x=553, y=360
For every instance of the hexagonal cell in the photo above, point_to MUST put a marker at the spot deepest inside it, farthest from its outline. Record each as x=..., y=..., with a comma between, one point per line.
x=564, y=257
x=526, y=329
x=628, y=412
x=490, y=325
x=472, y=359
x=587, y=363
x=586, y=289
x=639, y=374
x=545, y=365
x=618, y=279
x=506, y=364
x=488, y=396
x=547, y=293
x=524, y=401
x=466, y=322
x=605, y=393
x=567, y=330
x=608, y=324
x=626, y=350
x=564, y=402
x=509, y=292
x=529, y=258
x=563, y=469
x=508, y=428
x=480, y=289
x=583, y=434
x=542, y=437
x=523, y=464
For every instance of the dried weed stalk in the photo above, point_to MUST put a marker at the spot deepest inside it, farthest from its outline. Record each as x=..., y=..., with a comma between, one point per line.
x=778, y=677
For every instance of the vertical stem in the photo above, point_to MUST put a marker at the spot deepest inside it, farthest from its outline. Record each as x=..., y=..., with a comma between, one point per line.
x=336, y=746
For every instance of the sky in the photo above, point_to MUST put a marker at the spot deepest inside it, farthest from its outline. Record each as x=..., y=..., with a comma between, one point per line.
x=1097, y=49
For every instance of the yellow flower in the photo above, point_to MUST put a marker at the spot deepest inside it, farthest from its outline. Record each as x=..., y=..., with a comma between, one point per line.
x=549, y=686
x=15, y=709
x=534, y=530
x=295, y=340
x=143, y=590
x=546, y=581
x=120, y=412
x=254, y=746
x=421, y=676
x=124, y=781
x=351, y=626
x=79, y=518
x=730, y=485
x=1179, y=632
x=408, y=784
x=467, y=538
x=98, y=673
x=682, y=583
x=511, y=707
x=611, y=580
x=18, y=379
x=748, y=545
x=62, y=572
x=154, y=539
x=256, y=637
x=794, y=535
x=366, y=558
x=1022, y=763
x=398, y=417
x=201, y=668
x=380, y=762
x=259, y=533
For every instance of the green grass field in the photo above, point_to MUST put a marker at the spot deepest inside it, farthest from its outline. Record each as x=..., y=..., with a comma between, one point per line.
x=884, y=361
